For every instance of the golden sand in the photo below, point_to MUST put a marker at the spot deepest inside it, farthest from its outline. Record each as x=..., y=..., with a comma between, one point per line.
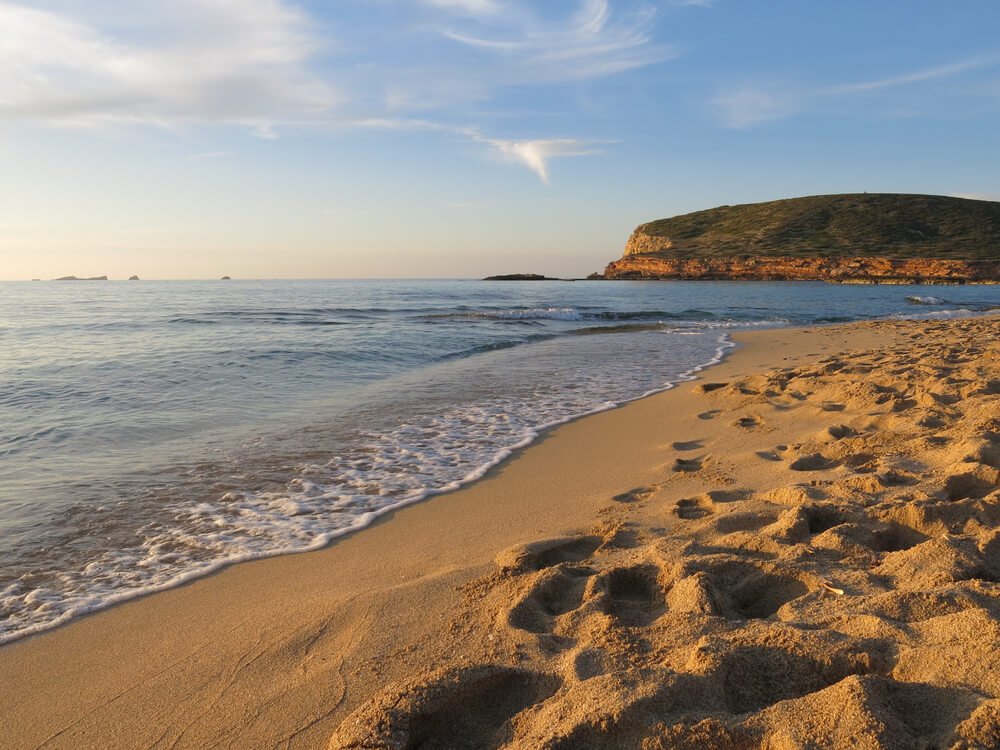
x=798, y=550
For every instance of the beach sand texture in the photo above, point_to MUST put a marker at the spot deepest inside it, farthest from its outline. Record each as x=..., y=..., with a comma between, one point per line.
x=798, y=550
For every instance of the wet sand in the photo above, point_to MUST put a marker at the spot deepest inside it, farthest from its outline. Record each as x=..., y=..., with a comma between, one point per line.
x=799, y=549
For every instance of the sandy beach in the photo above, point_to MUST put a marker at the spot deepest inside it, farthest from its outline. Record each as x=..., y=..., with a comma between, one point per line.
x=797, y=549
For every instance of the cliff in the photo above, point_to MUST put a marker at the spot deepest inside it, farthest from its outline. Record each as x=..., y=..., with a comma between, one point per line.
x=871, y=238
x=859, y=269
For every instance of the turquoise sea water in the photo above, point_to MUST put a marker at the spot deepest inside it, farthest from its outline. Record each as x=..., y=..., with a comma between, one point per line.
x=151, y=432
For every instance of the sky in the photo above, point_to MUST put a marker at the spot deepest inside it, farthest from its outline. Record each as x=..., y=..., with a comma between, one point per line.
x=178, y=139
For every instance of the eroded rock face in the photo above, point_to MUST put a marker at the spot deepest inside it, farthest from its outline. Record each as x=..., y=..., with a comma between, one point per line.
x=641, y=243
x=649, y=258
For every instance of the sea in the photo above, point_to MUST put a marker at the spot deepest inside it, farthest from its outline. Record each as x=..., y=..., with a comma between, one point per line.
x=152, y=432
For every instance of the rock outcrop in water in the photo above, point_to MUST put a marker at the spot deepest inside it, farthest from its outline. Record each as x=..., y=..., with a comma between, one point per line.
x=865, y=238
x=520, y=277
x=86, y=278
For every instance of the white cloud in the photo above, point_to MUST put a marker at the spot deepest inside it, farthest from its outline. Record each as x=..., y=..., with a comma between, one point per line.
x=471, y=7
x=261, y=64
x=591, y=41
x=536, y=154
x=201, y=61
x=751, y=106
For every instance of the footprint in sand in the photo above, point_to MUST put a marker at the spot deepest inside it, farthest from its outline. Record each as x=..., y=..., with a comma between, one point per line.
x=840, y=431
x=813, y=462
x=710, y=414
x=634, y=496
x=687, y=465
x=728, y=496
x=460, y=709
x=555, y=592
x=547, y=553
x=693, y=508
x=709, y=387
x=688, y=445
x=749, y=422
x=745, y=591
x=633, y=595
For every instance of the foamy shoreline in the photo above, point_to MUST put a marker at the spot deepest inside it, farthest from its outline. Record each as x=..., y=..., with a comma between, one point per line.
x=651, y=564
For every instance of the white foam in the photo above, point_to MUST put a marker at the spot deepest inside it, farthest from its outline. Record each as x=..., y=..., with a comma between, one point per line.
x=541, y=313
x=426, y=455
x=961, y=313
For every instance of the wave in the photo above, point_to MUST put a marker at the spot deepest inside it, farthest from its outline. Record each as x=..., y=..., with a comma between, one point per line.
x=622, y=328
x=571, y=314
x=546, y=313
x=961, y=313
x=916, y=300
x=493, y=346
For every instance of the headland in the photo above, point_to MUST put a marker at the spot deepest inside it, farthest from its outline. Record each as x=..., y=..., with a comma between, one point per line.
x=855, y=238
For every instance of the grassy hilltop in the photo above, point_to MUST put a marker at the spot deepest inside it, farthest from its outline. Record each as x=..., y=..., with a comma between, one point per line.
x=861, y=224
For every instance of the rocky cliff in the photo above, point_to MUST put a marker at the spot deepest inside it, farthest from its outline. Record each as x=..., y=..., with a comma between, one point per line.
x=864, y=238
x=860, y=269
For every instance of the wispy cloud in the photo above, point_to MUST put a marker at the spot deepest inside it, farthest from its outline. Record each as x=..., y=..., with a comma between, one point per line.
x=471, y=7
x=593, y=40
x=201, y=61
x=753, y=104
x=268, y=65
x=749, y=106
x=943, y=71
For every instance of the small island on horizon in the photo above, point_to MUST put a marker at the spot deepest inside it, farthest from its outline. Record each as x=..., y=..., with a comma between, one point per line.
x=521, y=277
x=851, y=238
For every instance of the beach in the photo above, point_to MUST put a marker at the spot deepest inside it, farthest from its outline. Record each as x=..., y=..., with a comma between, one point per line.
x=796, y=549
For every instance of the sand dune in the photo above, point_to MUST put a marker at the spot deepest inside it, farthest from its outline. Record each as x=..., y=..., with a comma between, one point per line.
x=817, y=567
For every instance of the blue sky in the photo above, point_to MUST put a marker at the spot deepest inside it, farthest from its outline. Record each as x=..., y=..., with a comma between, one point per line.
x=459, y=138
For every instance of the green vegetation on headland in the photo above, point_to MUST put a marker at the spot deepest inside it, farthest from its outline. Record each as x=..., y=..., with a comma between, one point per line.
x=860, y=224
x=860, y=239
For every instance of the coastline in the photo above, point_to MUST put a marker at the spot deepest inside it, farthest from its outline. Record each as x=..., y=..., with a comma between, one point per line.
x=278, y=652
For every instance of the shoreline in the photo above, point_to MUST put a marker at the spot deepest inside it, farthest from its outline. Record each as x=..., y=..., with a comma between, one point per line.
x=277, y=652
x=724, y=344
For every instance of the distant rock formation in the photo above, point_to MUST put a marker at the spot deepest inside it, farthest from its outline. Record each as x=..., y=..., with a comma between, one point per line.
x=133, y=278
x=520, y=277
x=225, y=278
x=858, y=238
x=77, y=278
